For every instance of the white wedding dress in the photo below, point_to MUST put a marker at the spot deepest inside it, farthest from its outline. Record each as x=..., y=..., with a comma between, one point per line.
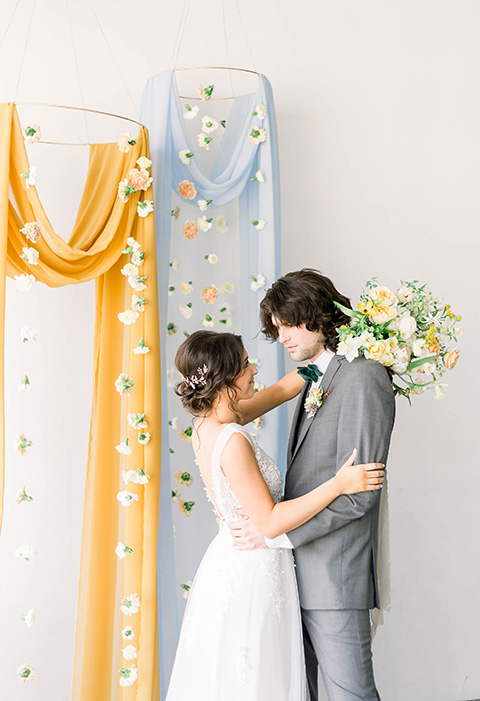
x=241, y=638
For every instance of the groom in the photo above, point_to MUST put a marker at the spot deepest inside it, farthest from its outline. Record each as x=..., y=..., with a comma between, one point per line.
x=336, y=551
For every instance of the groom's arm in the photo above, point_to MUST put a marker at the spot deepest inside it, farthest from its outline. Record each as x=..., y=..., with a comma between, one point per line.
x=365, y=422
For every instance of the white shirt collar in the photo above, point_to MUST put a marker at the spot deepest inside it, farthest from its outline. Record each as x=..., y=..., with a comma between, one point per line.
x=323, y=360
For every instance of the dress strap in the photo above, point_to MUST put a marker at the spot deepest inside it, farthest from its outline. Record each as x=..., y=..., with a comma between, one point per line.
x=222, y=441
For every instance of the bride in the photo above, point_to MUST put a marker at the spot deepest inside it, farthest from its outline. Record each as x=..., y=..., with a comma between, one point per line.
x=241, y=638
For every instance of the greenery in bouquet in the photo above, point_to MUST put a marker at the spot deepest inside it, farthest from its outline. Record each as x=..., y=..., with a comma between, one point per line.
x=410, y=332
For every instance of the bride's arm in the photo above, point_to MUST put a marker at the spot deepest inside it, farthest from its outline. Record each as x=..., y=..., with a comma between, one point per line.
x=240, y=466
x=267, y=399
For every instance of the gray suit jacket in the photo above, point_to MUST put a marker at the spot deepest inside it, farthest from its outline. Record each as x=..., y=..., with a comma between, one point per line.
x=336, y=551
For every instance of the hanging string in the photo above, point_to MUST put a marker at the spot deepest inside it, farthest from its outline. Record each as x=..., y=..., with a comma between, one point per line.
x=180, y=24
x=25, y=49
x=9, y=23
x=226, y=48
x=246, y=35
x=78, y=72
x=183, y=32
x=114, y=60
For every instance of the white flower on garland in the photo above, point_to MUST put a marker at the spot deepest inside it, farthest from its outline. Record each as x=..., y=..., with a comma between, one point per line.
x=127, y=498
x=186, y=287
x=143, y=162
x=24, y=385
x=137, y=421
x=125, y=142
x=136, y=282
x=258, y=422
x=131, y=604
x=26, y=673
x=204, y=141
x=144, y=438
x=128, y=633
x=260, y=111
x=221, y=224
x=204, y=223
x=30, y=178
x=133, y=246
x=175, y=264
x=144, y=208
x=130, y=652
x=22, y=495
x=171, y=377
x=142, y=477
x=186, y=588
x=175, y=495
x=211, y=258
x=259, y=224
x=128, y=317
x=122, y=550
x=171, y=329
x=175, y=213
x=138, y=303
x=227, y=288
x=24, y=282
x=186, y=311
x=21, y=443
x=259, y=177
x=124, y=190
x=255, y=362
x=183, y=478
x=123, y=448
x=129, y=270
x=226, y=309
x=128, y=676
x=31, y=255
x=228, y=323
x=205, y=93
x=141, y=348
x=209, y=321
x=123, y=384
x=26, y=552
x=185, y=156
x=29, y=618
x=349, y=347
x=171, y=290
x=257, y=135
x=191, y=112
x=129, y=476
x=257, y=283
x=257, y=386
x=173, y=423
x=209, y=124
x=203, y=204
x=33, y=133
x=28, y=334
x=138, y=258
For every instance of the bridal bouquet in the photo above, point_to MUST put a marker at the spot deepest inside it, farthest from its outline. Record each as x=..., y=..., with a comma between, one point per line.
x=409, y=331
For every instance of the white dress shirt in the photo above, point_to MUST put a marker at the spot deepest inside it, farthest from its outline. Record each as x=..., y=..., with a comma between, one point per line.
x=322, y=363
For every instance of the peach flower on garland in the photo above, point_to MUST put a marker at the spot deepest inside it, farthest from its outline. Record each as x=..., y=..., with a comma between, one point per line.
x=190, y=229
x=187, y=190
x=139, y=179
x=32, y=231
x=210, y=294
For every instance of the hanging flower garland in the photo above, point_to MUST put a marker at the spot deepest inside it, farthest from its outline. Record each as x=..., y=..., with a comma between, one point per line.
x=137, y=180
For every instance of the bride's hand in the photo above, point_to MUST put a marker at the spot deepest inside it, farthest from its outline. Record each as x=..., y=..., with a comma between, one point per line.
x=352, y=478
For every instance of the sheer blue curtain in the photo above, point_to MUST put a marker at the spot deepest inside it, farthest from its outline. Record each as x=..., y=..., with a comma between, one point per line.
x=230, y=179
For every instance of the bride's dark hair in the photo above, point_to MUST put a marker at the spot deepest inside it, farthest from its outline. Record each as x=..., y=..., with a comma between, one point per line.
x=223, y=356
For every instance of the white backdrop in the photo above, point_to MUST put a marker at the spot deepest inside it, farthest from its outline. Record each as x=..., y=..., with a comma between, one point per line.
x=378, y=115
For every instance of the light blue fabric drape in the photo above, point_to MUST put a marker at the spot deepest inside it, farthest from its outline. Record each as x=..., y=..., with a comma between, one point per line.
x=237, y=162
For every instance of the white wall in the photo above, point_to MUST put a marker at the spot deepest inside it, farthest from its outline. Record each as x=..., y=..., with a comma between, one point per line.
x=378, y=114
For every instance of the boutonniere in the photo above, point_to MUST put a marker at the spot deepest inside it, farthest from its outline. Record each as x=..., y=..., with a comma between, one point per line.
x=316, y=397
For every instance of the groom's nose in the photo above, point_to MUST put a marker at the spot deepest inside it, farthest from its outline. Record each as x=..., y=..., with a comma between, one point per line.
x=283, y=334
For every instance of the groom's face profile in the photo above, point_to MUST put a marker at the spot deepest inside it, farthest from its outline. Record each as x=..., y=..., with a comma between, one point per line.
x=301, y=343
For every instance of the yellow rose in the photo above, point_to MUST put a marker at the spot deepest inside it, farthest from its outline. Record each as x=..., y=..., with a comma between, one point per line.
x=381, y=314
x=450, y=359
x=381, y=351
x=383, y=296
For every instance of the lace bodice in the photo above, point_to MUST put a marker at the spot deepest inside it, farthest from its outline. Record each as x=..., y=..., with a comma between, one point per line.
x=225, y=498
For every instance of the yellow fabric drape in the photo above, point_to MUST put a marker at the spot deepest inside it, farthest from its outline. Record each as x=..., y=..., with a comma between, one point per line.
x=94, y=251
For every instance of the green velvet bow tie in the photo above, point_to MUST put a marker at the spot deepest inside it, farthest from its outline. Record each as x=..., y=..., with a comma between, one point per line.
x=311, y=373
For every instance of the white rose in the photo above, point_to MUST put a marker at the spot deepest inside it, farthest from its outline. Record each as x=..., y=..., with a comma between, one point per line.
x=129, y=270
x=130, y=652
x=202, y=205
x=405, y=294
x=401, y=360
x=126, y=498
x=24, y=282
x=204, y=224
x=407, y=326
x=128, y=317
x=221, y=224
x=260, y=111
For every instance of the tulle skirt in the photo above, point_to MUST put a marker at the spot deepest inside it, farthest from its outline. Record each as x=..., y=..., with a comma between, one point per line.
x=241, y=638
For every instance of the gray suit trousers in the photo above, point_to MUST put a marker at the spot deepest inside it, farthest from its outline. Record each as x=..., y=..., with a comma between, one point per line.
x=338, y=641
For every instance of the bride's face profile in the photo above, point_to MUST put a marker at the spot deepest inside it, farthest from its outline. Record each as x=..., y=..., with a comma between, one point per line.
x=244, y=382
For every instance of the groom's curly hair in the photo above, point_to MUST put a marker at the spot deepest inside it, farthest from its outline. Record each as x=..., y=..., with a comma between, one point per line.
x=304, y=297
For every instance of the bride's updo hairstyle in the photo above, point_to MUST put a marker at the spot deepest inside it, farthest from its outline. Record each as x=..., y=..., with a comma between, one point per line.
x=209, y=362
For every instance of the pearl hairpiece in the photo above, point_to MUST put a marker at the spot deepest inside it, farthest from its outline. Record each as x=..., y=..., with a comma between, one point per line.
x=197, y=380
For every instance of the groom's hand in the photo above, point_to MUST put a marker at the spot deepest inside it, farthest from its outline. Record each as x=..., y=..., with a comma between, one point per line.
x=245, y=535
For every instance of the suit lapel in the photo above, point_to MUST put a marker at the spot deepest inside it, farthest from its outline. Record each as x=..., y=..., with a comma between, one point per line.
x=326, y=382
x=295, y=420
